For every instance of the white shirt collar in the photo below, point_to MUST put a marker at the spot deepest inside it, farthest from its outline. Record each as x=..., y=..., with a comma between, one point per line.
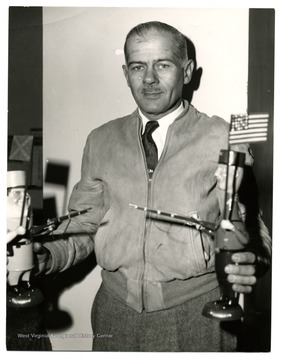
x=159, y=135
x=165, y=121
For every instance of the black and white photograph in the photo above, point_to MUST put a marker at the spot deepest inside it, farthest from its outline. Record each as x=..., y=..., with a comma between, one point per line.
x=140, y=176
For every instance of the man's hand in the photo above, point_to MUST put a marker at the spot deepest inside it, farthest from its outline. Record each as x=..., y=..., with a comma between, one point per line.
x=42, y=258
x=242, y=273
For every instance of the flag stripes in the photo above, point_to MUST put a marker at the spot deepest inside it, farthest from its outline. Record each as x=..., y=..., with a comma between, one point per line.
x=248, y=128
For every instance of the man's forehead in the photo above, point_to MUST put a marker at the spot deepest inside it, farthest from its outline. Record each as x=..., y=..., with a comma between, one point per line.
x=151, y=38
x=149, y=44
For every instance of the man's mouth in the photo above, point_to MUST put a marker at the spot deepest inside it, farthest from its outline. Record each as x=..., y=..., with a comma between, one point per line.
x=151, y=93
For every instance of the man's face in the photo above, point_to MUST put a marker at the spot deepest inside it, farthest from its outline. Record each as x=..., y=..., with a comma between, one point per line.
x=155, y=74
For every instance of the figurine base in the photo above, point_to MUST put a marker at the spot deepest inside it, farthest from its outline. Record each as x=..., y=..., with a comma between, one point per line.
x=222, y=311
x=20, y=297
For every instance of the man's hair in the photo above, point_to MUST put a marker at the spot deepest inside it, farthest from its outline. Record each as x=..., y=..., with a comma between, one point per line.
x=158, y=27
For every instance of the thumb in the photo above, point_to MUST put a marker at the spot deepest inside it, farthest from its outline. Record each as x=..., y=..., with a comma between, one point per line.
x=38, y=248
x=41, y=259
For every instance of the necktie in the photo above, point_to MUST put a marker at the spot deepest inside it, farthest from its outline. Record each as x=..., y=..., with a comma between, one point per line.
x=149, y=145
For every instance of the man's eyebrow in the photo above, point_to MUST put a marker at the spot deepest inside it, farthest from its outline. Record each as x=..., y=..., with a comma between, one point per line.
x=155, y=61
x=164, y=59
x=136, y=62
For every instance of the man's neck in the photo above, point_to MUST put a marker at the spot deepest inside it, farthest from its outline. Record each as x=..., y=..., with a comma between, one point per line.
x=157, y=117
x=171, y=114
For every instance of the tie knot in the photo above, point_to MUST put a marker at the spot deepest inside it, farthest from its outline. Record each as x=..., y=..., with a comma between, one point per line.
x=151, y=126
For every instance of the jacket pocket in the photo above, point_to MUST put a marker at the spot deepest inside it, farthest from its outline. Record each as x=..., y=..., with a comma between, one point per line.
x=193, y=250
x=182, y=251
x=208, y=248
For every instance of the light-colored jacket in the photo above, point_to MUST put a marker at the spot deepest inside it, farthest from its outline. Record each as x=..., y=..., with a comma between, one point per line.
x=147, y=263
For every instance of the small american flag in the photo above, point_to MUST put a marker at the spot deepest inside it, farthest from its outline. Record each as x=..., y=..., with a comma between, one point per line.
x=248, y=128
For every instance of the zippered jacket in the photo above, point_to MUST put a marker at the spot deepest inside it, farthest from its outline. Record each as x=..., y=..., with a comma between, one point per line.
x=148, y=263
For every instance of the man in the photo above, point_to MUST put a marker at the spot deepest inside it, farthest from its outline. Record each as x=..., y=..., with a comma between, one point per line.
x=157, y=275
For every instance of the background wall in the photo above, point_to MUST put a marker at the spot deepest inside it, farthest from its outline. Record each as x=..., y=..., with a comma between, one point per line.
x=83, y=87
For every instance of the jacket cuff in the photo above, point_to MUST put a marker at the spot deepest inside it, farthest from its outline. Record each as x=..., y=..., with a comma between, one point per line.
x=58, y=257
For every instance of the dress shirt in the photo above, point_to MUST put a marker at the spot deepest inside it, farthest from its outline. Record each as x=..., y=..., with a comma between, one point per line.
x=159, y=135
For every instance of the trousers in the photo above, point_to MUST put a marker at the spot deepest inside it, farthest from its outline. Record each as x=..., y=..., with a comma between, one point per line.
x=117, y=327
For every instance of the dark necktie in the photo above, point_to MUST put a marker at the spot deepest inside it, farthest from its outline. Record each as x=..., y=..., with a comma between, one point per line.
x=149, y=145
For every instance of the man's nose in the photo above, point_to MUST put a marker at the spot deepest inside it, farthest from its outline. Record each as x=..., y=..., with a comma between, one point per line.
x=150, y=77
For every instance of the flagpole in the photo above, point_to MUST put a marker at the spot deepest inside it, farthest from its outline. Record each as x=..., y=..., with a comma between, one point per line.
x=27, y=178
x=227, y=176
x=23, y=204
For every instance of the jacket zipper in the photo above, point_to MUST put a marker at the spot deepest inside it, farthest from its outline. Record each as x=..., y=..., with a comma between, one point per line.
x=149, y=174
x=146, y=229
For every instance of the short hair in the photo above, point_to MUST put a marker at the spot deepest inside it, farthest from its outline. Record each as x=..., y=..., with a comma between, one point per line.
x=160, y=28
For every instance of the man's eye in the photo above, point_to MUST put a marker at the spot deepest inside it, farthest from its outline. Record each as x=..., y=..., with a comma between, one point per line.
x=163, y=66
x=137, y=68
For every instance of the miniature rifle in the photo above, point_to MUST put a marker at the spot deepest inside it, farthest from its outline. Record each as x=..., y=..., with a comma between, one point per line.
x=52, y=224
x=206, y=227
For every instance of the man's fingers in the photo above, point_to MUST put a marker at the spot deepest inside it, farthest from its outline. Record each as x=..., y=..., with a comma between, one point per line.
x=244, y=270
x=242, y=280
x=242, y=289
x=244, y=257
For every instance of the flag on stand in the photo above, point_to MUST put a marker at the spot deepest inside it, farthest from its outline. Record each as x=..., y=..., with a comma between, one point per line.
x=248, y=128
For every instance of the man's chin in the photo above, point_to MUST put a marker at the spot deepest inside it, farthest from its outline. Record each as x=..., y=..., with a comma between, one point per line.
x=152, y=112
x=152, y=109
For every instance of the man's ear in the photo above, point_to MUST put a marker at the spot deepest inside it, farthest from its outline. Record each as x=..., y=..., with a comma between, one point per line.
x=125, y=72
x=188, y=70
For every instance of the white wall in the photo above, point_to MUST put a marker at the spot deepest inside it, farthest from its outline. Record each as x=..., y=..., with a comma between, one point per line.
x=84, y=87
